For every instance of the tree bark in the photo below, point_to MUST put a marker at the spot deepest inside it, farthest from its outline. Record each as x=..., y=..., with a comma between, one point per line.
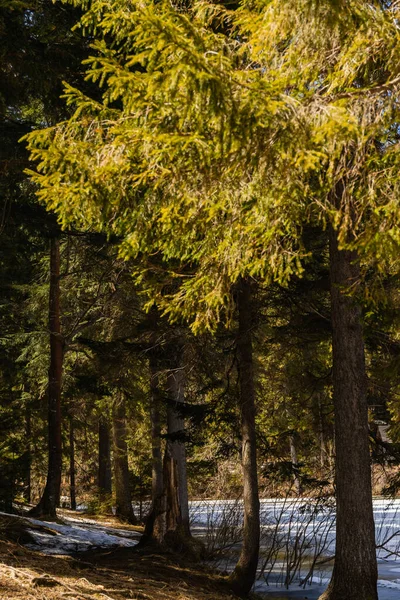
x=28, y=457
x=322, y=444
x=51, y=495
x=295, y=464
x=176, y=451
x=72, y=488
x=169, y=523
x=123, y=502
x=244, y=574
x=156, y=520
x=104, y=473
x=354, y=575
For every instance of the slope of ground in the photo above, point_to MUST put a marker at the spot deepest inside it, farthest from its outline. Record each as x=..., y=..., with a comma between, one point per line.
x=108, y=574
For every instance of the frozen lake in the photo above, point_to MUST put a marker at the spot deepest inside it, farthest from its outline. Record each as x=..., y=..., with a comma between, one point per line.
x=297, y=540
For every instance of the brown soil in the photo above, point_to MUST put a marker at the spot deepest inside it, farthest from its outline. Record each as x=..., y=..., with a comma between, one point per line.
x=108, y=575
x=105, y=520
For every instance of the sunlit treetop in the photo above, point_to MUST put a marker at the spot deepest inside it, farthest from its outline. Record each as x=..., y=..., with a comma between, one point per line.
x=221, y=133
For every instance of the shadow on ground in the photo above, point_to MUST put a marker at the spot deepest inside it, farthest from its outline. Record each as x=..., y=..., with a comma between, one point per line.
x=107, y=575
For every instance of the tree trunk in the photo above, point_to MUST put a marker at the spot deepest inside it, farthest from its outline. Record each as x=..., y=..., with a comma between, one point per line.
x=354, y=575
x=123, y=502
x=244, y=574
x=72, y=489
x=170, y=516
x=51, y=495
x=156, y=520
x=295, y=464
x=28, y=457
x=104, y=473
x=176, y=451
x=322, y=444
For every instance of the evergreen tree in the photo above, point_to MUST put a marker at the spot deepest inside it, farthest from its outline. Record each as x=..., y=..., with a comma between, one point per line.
x=215, y=146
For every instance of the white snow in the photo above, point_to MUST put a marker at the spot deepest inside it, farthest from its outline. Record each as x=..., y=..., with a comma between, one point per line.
x=78, y=538
x=80, y=534
x=291, y=516
x=67, y=539
x=393, y=585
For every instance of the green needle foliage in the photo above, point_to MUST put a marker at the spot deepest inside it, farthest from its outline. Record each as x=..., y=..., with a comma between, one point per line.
x=221, y=133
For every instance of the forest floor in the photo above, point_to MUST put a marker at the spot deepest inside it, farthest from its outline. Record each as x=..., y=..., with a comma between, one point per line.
x=108, y=574
x=112, y=575
x=82, y=557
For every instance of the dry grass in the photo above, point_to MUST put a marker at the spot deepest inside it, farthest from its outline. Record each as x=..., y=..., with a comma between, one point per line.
x=104, y=520
x=116, y=575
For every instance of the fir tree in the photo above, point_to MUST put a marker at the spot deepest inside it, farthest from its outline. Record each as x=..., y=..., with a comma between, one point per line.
x=215, y=146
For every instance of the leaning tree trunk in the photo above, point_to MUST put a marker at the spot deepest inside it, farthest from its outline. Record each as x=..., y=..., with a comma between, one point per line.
x=156, y=520
x=244, y=574
x=123, y=502
x=72, y=487
x=104, y=473
x=354, y=575
x=51, y=495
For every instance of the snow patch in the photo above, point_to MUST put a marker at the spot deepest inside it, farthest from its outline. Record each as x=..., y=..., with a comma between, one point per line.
x=392, y=585
x=67, y=539
x=74, y=538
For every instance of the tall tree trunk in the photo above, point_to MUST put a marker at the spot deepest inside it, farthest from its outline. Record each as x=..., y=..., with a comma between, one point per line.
x=51, y=495
x=245, y=571
x=28, y=456
x=295, y=464
x=354, y=575
x=176, y=451
x=72, y=488
x=322, y=444
x=123, y=502
x=104, y=473
x=156, y=520
x=170, y=517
